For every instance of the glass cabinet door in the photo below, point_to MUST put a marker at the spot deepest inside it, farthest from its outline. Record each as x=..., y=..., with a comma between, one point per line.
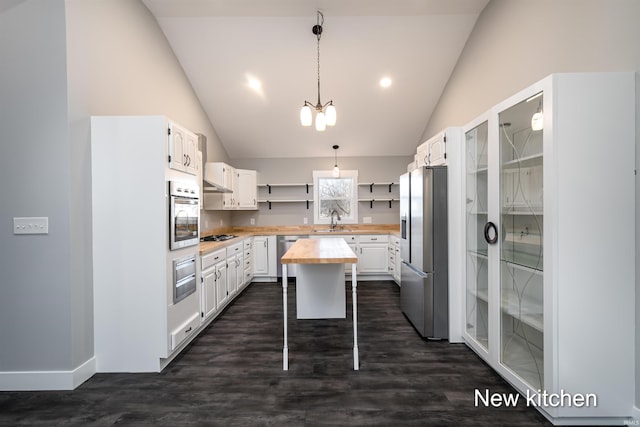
x=477, y=296
x=521, y=258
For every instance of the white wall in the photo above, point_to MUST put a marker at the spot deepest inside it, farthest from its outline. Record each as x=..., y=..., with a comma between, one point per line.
x=300, y=170
x=517, y=42
x=63, y=61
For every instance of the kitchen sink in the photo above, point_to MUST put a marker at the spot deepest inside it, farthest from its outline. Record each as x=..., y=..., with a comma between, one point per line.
x=330, y=230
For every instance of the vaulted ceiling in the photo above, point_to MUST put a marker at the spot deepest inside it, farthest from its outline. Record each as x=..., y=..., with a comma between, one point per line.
x=223, y=44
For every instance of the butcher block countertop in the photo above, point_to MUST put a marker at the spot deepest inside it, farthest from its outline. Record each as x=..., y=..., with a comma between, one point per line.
x=293, y=230
x=319, y=251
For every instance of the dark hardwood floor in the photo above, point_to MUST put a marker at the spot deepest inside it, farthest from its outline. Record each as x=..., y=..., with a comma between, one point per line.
x=231, y=375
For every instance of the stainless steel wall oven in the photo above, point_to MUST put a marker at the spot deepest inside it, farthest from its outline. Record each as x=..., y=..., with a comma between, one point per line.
x=184, y=213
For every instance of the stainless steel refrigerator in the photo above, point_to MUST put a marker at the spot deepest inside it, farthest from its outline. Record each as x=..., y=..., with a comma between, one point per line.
x=424, y=281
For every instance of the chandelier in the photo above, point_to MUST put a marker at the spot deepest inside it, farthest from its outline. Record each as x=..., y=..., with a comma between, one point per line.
x=325, y=114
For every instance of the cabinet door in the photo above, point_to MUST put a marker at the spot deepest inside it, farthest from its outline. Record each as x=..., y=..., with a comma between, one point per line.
x=477, y=274
x=437, y=151
x=260, y=256
x=373, y=258
x=521, y=228
x=247, y=194
x=191, y=153
x=209, y=288
x=232, y=275
x=177, y=156
x=231, y=182
x=222, y=295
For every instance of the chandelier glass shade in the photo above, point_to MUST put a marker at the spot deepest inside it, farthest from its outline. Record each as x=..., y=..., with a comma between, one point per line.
x=325, y=114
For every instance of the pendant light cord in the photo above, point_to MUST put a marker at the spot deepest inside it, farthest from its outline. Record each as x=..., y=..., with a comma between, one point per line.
x=318, y=31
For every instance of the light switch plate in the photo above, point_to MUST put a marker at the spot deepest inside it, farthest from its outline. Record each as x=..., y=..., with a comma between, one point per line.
x=366, y=220
x=31, y=225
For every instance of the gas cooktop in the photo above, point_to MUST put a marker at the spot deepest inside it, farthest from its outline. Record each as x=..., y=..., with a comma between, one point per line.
x=217, y=238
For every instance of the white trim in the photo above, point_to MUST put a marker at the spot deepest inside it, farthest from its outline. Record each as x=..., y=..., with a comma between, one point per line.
x=635, y=414
x=47, y=380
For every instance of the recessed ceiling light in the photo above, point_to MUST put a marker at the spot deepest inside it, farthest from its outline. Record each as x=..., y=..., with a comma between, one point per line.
x=385, y=82
x=255, y=84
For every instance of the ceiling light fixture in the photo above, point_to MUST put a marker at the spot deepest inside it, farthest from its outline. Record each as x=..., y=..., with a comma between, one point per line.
x=537, y=120
x=385, y=82
x=336, y=169
x=325, y=114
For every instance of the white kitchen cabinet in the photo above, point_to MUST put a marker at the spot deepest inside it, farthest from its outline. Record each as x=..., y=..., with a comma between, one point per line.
x=236, y=188
x=265, y=264
x=542, y=289
x=223, y=177
x=373, y=254
x=248, y=261
x=394, y=258
x=183, y=149
x=222, y=293
x=137, y=325
x=210, y=264
x=235, y=268
x=247, y=189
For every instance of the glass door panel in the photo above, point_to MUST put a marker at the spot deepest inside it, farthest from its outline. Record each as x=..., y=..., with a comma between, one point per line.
x=477, y=296
x=521, y=257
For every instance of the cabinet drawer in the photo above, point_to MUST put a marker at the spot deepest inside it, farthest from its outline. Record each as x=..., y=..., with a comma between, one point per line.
x=374, y=238
x=248, y=244
x=248, y=262
x=238, y=248
x=213, y=258
x=186, y=329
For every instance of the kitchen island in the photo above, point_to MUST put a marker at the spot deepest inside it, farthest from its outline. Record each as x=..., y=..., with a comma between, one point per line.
x=320, y=285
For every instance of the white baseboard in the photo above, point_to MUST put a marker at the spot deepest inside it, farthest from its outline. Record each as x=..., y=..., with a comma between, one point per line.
x=47, y=380
x=636, y=416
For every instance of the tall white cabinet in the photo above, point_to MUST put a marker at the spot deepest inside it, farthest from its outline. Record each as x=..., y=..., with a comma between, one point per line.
x=137, y=325
x=549, y=244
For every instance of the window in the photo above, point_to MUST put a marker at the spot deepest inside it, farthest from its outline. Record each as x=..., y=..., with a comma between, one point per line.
x=335, y=194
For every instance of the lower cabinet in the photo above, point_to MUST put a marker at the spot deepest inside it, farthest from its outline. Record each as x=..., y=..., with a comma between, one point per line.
x=247, y=259
x=265, y=262
x=214, y=278
x=394, y=258
x=373, y=254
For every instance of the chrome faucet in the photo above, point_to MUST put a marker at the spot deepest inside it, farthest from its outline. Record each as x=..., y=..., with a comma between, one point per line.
x=333, y=224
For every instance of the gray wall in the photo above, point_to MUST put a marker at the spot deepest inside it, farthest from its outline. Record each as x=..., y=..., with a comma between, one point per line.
x=300, y=170
x=517, y=42
x=63, y=61
x=35, y=308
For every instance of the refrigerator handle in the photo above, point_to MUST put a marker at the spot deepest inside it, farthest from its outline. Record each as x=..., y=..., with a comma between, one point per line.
x=415, y=270
x=491, y=238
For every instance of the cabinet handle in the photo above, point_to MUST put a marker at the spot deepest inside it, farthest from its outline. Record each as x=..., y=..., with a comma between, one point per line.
x=491, y=238
x=188, y=330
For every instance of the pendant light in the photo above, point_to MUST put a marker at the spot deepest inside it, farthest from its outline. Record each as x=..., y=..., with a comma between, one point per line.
x=537, y=120
x=325, y=114
x=336, y=169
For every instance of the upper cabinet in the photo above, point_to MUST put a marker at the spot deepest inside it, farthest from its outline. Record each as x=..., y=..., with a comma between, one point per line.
x=231, y=188
x=183, y=149
x=247, y=197
x=549, y=236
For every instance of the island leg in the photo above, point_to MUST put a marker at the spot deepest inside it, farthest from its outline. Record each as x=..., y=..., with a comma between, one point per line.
x=285, y=349
x=354, y=285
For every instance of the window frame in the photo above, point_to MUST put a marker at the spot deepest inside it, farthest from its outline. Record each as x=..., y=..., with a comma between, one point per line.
x=322, y=174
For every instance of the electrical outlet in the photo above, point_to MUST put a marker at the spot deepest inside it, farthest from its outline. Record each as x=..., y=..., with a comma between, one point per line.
x=366, y=220
x=252, y=221
x=31, y=225
x=305, y=220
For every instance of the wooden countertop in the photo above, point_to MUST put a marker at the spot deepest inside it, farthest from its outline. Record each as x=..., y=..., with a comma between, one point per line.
x=319, y=251
x=292, y=230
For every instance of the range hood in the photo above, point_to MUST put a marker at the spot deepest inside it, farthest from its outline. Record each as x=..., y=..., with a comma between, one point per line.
x=213, y=181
